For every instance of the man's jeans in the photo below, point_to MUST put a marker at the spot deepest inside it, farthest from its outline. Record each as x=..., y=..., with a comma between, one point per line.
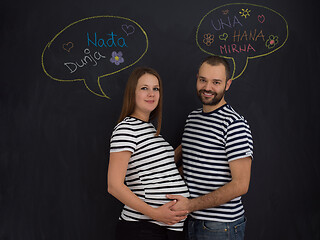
x=205, y=230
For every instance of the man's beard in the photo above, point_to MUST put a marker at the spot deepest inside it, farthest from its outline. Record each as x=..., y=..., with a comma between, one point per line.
x=216, y=97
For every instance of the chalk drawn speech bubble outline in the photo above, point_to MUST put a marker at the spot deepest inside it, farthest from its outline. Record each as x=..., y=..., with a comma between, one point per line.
x=247, y=58
x=99, y=77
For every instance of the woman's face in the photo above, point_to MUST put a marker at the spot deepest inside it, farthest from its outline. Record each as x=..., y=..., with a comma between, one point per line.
x=147, y=96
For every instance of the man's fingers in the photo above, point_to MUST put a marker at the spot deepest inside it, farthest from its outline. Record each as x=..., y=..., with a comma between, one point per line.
x=170, y=204
x=174, y=196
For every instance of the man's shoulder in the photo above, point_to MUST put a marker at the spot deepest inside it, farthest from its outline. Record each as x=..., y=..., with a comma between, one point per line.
x=195, y=112
x=225, y=114
x=231, y=115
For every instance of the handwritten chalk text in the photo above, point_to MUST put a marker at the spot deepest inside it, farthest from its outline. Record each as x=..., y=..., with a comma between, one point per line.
x=226, y=23
x=88, y=59
x=112, y=41
x=253, y=36
x=234, y=48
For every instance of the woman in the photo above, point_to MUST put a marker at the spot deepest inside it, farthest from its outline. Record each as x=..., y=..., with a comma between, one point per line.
x=142, y=159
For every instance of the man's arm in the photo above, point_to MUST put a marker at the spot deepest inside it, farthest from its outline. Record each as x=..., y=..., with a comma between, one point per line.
x=239, y=185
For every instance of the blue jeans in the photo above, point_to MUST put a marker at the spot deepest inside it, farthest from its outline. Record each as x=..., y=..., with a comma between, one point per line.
x=205, y=230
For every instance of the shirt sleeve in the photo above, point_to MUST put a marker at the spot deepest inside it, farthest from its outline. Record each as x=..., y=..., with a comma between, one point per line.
x=239, y=143
x=123, y=139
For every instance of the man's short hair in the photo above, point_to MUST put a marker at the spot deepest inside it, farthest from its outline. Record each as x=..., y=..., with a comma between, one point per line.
x=216, y=60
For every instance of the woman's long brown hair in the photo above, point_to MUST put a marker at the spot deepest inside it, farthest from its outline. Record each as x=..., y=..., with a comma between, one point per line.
x=130, y=96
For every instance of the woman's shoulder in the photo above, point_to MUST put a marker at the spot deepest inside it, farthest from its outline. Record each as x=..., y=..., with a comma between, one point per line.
x=130, y=123
x=125, y=123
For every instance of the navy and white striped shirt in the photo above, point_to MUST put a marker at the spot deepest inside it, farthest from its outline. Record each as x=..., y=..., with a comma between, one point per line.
x=210, y=141
x=151, y=173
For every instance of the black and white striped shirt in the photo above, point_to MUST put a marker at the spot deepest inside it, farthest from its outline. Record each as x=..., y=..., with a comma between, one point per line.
x=151, y=172
x=210, y=141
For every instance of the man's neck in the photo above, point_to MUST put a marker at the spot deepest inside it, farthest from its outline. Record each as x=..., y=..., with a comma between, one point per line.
x=209, y=108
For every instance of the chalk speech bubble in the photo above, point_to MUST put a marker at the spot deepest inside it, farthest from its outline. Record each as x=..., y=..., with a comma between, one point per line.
x=93, y=48
x=241, y=31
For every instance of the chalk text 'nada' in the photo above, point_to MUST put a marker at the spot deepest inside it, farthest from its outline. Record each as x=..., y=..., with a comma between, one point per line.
x=112, y=40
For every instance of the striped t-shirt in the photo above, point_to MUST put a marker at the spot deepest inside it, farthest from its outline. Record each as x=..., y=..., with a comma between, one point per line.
x=210, y=141
x=151, y=172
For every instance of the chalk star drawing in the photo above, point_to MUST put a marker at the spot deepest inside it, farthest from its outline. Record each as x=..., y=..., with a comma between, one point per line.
x=245, y=13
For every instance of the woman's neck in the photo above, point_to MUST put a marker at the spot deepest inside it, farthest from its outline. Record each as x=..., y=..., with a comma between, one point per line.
x=141, y=116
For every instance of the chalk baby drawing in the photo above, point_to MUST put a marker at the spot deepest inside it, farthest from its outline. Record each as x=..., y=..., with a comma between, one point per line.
x=241, y=31
x=92, y=49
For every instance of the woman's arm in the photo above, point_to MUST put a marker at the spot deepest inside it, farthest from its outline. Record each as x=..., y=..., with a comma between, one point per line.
x=118, y=164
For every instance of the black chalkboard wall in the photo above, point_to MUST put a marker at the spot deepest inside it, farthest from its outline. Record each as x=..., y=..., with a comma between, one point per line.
x=58, y=105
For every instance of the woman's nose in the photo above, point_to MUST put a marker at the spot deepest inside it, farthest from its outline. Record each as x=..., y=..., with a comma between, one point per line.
x=151, y=93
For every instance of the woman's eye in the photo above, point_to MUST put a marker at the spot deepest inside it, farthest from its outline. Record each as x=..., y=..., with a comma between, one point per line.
x=156, y=89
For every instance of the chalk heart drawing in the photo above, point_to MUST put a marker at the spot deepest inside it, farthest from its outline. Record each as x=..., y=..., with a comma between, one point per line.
x=223, y=37
x=68, y=46
x=128, y=29
x=261, y=18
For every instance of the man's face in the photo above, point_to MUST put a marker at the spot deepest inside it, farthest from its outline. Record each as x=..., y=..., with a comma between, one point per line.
x=212, y=84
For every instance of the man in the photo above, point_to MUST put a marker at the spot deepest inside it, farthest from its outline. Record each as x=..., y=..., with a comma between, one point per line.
x=217, y=151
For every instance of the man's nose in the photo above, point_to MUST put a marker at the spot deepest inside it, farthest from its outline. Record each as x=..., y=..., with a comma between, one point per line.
x=208, y=86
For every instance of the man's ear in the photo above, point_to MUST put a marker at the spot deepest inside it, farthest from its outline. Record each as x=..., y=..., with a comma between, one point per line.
x=228, y=84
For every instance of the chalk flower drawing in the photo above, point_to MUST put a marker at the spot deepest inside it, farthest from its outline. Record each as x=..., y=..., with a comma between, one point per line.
x=117, y=58
x=272, y=41
x=208, y=39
